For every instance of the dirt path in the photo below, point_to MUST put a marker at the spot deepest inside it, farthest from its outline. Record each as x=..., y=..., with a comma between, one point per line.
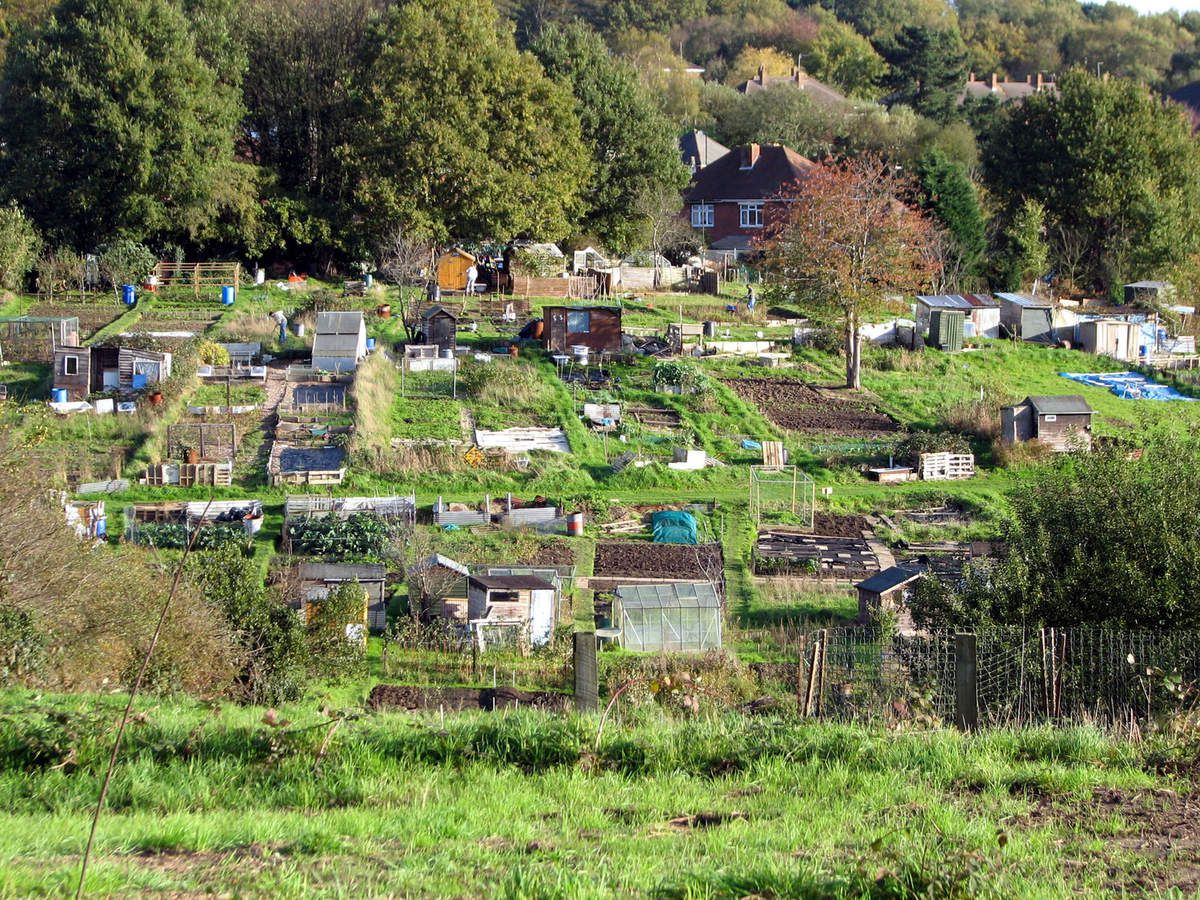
x=254, y=449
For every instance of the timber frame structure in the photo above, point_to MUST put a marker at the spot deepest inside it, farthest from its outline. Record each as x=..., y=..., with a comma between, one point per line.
x=198, y=275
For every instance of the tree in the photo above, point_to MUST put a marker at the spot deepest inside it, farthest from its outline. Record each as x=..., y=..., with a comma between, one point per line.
x=751, y=60
x=461, y=134
x=113, y=124
x=1110, y=163
x=632, y=144
x=661, y=209
x=20, y=244
x=949, y=196
x=844, y=241
x=124, y=262
x=929, y=68
x=404, y=259
x=1093, y=539
x=1026, y=255
x=843, y=57
x=336, y=632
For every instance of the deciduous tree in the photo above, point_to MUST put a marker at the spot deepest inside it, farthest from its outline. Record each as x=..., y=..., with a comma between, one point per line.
x=844, y=241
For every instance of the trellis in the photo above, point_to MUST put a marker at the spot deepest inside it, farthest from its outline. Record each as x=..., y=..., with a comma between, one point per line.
x=198, y=275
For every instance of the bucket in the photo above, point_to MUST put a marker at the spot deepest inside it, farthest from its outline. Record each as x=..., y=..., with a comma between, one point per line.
x=227, y=295
x=58, y=395
x=128, y=294
x=575, y=524
x=251, y=524
x=368, y=280
x=446, y=353
x=370, y=344
x=299, y=330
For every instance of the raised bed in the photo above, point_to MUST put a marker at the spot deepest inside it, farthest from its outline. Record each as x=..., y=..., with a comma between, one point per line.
x=619, y=562
x=782, y=552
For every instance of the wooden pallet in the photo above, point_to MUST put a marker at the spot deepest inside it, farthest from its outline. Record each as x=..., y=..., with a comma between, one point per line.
x=774, y=455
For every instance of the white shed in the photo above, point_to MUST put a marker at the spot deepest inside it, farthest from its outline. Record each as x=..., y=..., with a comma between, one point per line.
x=982, y=312
x=340, y=341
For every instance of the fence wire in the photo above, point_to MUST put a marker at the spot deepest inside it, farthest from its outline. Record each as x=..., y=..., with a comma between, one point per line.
x=1022, y=675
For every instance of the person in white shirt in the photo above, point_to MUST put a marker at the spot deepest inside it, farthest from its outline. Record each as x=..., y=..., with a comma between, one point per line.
x=281, y=321
x=472, y=274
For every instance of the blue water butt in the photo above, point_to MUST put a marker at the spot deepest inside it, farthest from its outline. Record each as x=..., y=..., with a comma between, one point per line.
x=227, y=295
x=370, y=344
x=58, y=395
x=128, y=294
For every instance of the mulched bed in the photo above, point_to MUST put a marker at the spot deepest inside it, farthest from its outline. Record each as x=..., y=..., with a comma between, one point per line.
x=558, y=553
x=839, y=526
x=779, y=552
x=797, y=406
x=401, y=696
x=638, y=559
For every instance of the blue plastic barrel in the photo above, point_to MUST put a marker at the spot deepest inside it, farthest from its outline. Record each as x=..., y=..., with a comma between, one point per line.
x=368, y=279
x=227, y=295
x=129, y=294
x=58, y=395
x=370, y=344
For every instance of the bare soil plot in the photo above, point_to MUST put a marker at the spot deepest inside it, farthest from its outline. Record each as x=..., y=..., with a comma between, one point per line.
x=654, y=418
x=797, y=406
x=92, y=317
x=638, y=559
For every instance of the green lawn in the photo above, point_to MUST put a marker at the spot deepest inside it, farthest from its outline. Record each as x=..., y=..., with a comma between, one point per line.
x=214, y=394
x=520, y=805
x=426, y=419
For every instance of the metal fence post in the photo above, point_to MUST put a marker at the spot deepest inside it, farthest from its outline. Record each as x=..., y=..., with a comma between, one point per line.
x=587, y=681
x=966, y=685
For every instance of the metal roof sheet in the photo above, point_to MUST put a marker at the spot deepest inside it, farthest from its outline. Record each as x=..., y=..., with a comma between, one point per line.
x=958, y=301
x=674, y=594
x=1060, y=404
x=336, y=344
x=1026, y=301
x=339, y=322
x=511, y=583
x=889, y=579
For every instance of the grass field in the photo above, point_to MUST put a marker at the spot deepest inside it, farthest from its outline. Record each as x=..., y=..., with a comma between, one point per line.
x=522, y=805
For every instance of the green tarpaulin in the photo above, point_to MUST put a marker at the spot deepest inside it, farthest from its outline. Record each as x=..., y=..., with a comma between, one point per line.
x=671, y=527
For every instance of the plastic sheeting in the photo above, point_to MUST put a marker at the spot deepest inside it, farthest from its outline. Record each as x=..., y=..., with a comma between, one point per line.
x=1128, y=385
x=674, y=527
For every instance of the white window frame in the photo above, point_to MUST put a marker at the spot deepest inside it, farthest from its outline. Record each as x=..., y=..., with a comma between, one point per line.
x=1050, y=418
x=703, y=215
x=68, y=363
x=750, y=215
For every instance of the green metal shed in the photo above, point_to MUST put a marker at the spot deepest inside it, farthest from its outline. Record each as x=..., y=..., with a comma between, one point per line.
x=946, y=328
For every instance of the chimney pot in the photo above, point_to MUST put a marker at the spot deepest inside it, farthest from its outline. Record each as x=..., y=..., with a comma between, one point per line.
x=750, y=154
x=1040, y=81
x=995, y=82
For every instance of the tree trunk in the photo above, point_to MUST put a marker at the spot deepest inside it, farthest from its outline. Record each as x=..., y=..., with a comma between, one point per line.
x=853, y=352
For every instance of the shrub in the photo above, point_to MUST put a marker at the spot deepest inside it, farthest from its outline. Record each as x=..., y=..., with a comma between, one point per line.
x=975, y=417
x=213, y=354
x=919, y=442
x=681, y=373
x=22, y=646
x=361, y=535
x=336, y=632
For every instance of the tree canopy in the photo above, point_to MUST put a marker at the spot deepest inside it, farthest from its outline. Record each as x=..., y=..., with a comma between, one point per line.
x=113, y=124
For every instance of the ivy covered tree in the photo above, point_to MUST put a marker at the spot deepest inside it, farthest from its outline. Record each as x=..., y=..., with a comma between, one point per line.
x=632, y=144
x=112, y=123
x=928, y=70
x=461, y=134
x=948, y=194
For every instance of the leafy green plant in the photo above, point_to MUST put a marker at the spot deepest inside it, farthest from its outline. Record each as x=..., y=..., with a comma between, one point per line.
x=361, y=535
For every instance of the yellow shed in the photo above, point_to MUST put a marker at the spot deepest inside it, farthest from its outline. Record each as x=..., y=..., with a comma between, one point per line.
x=452, y=269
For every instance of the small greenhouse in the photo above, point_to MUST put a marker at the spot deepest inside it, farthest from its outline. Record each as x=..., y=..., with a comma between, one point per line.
x=672, y=617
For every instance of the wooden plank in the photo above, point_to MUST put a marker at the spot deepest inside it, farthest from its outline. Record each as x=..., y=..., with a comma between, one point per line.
x=773, y=454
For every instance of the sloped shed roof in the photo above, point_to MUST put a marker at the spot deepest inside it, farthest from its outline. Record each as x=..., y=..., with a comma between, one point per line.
x=1060, y=405
x=889, y=579
x=958, y=301
x=338, y=334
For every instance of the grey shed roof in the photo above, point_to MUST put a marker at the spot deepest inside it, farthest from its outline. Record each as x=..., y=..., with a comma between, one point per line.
x=675, y=595
x=341, y=571
x=1060, y=405
x=1026, y=301
x=437, y=560
x=957, y=301
x=437, y=310
x=1150, y=285
x=511, y=583
x=889, y=579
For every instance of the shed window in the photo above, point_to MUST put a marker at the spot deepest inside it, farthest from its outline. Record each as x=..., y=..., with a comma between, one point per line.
x=70, y=365
x=1050, y=418
x=702, y=215
x=579, y=321
x=750, y=215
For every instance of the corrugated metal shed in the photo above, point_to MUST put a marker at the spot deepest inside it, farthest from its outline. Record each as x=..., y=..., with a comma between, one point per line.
x=1026, y=301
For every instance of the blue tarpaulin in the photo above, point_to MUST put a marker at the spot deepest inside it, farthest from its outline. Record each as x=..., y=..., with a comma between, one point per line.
x=1128, y=385
x=672, y=527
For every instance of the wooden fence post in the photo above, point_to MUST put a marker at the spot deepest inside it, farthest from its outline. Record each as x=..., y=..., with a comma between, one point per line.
x=966, y=685
x=587, y=679
x=801, y=665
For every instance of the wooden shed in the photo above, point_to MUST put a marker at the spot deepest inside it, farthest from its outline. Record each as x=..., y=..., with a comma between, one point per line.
x=596, y=327
x=452, y=269
x=1027, y=318
x=888, y=591
x=439, y=326
x=81, y=371
x=1062, y=422
x=1110, y=337
x=511, y=608
x=318, y=579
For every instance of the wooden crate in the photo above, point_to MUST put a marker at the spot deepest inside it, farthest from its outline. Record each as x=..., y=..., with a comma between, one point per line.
x=946, y=466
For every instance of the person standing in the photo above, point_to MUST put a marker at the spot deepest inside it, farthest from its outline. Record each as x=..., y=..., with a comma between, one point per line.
x=750, y=298
x=472, y=275
x=281, y=321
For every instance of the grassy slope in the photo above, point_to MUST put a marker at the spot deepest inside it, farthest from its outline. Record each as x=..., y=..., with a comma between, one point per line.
x=517, y=805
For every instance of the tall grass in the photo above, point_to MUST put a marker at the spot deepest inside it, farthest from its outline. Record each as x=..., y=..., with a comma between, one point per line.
x=376, y=382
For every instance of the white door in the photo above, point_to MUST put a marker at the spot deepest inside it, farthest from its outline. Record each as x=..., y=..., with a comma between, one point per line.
x=541, y=617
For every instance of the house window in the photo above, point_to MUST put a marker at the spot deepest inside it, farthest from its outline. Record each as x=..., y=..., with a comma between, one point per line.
x=579, y=321
x=70, y=365
x=1049, y=418
x=750, y=215
x=702, y=215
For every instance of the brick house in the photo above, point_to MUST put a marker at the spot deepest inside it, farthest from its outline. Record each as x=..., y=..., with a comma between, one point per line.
x=732, y=199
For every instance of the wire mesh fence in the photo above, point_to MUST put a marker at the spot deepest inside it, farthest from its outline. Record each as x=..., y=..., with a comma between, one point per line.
x=1003, y=676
